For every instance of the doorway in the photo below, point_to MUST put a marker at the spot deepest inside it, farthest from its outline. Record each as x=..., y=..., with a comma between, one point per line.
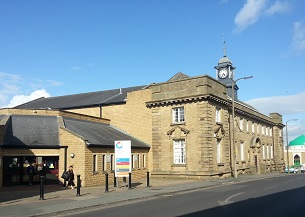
x=15, y=169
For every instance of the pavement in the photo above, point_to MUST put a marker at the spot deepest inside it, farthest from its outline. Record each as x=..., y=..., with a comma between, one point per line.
x=28, y=201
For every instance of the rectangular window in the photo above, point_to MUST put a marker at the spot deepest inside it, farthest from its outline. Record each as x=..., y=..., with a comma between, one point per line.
x=218, y=151
x=144, y=161
x=104, y=162
x=247, y=126
x=132, y=161
x=138, y=161
x=267, y=131
x=271, y=151
x=264, y=153
x=257, y=129
x=94, y=163
x=241, y=124
x=267, y=152
x=242, y=154
x=178, y=114
x=252, y=127
x=179, y=152
x=218, y=117
x=111, y=162
x=270, y=132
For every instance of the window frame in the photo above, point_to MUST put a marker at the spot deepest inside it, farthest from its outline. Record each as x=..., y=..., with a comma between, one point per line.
x=179, y=152
x=178, y=115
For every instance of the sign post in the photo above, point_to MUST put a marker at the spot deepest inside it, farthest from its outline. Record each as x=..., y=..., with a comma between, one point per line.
x=122, y=150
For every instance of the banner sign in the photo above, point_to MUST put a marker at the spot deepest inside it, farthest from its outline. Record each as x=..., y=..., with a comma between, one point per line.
x=122, y=150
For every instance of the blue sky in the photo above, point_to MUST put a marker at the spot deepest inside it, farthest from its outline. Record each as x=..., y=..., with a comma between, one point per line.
x=54, y=48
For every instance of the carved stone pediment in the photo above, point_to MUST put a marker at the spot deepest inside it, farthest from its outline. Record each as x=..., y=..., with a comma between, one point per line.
x=178, y=132
x=219, y=131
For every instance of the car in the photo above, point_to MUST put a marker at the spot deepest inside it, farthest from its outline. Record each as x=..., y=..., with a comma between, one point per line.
x=291, y=170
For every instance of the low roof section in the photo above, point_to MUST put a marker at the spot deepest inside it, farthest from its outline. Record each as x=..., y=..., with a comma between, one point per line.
x=81, y=100
x=31, y=131
x=40, y=131
x=100, y=134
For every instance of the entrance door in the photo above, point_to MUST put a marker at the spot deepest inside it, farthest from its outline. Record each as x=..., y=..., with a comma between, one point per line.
x=15, y=170
x=12, y=171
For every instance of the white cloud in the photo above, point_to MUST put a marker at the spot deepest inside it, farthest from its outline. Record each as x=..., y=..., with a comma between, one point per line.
x=253, y=10
x=284, y=105
x=249, y=14
x=20, y=99
x=278, y=7
x=298, y=38
x=290, y=107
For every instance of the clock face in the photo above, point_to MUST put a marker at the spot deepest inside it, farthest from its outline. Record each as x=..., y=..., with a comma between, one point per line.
x=223, y=73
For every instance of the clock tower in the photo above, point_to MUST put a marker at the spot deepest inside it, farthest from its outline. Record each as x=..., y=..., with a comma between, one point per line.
x=225, y=73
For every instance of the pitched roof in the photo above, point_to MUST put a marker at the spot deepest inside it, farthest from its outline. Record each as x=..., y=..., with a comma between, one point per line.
x=100, y=134
x=26, y=130
x=178, y=76
x=43, y=132
x=298, y=141
x=81, y=100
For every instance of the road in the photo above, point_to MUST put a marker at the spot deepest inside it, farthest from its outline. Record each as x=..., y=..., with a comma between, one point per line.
x=279, y=196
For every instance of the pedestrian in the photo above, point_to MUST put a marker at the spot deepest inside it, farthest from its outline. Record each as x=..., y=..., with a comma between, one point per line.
x=71, y=177
x=30, y=171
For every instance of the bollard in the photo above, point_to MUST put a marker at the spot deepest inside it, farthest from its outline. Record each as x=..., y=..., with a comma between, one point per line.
x=41, y=188
x=78, y=186
x=114, y=180
x=147, y=179
x=106, y=184
x=129, y=182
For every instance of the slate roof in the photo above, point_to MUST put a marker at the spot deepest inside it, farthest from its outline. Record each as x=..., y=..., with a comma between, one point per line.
x=99, y=133
x=36, y=131
x=27, y=131
x=81, y=100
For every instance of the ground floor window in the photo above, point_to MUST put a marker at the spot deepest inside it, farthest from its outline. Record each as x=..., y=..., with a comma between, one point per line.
x=179, y=152
x=15, y=169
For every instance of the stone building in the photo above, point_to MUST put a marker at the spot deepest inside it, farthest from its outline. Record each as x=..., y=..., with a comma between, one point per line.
x=182, y=128
x=296, y=152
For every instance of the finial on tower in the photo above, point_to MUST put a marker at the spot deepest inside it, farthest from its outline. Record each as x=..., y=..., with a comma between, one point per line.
x=224, y=46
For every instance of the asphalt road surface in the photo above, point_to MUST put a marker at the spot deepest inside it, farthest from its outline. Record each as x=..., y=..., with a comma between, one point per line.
x=280, y=196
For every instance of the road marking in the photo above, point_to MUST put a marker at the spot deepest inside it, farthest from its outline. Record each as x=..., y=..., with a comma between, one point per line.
x=227, y=201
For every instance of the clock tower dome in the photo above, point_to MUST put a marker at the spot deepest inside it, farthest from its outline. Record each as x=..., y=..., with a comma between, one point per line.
x=225, y=73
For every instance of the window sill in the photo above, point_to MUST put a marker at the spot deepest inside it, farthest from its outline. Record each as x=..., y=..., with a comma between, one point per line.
x=178, y=165
x=180, y=123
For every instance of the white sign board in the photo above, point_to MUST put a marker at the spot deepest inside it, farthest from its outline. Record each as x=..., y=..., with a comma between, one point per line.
x=122, y=150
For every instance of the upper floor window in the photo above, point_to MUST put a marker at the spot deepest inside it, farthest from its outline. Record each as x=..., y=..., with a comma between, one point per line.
x=253, y=131
x=218, y=117
x=247, y=126
x=178, y=114
x=241, y=124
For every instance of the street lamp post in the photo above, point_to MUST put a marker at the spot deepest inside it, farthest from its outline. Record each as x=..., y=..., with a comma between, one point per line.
x=233, y=146
x=287, y=143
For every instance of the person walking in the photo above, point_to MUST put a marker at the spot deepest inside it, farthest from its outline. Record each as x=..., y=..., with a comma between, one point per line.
x=30, y=171
x=71, y=177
